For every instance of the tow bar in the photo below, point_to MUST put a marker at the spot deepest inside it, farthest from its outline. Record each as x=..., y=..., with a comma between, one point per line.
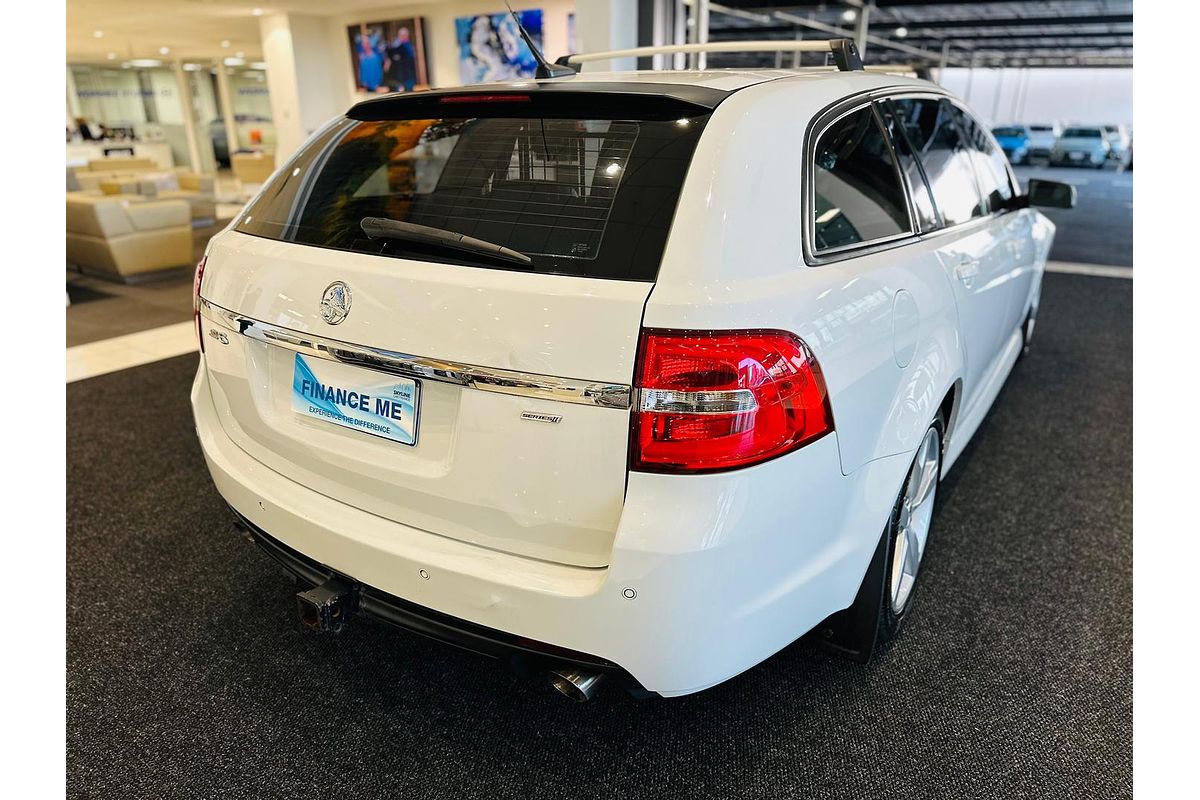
x=328, y=607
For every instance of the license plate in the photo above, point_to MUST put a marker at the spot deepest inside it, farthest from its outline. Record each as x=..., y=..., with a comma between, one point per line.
x=1076, y=156
x=356, y=398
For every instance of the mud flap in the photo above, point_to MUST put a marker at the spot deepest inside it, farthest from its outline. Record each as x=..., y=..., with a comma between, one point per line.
x=853, y=631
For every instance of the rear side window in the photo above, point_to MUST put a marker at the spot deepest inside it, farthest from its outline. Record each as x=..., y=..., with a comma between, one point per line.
x=858, y=197
x=991, y=166
x=931, y=128
x=578, y=196
x=918, y=189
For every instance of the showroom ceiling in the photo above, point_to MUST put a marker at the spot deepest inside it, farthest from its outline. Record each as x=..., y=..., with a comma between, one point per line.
x=1003, y=32
x=1018, y=33
x=187, y=28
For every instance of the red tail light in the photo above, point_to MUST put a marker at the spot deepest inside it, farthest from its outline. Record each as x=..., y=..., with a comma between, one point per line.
x=717, y=400
x=196, y=281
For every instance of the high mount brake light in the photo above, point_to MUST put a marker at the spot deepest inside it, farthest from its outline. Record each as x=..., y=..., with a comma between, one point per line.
x=484, y=98
x=718, y=400
x=196, y=281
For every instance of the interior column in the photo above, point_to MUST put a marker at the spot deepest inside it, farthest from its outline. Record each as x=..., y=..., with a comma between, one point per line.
x=308, y=73
x=226, y=103
x=607, y=25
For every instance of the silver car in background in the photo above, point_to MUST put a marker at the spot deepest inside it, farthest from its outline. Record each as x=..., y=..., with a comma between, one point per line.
x=1082, y=147
x=1118, y=142
x=1042, y=139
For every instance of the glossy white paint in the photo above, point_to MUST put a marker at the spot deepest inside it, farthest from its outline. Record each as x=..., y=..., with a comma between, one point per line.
x=479, y=473
x=538, y=529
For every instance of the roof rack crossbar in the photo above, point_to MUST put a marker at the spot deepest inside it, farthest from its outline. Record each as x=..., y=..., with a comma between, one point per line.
x=845, y=54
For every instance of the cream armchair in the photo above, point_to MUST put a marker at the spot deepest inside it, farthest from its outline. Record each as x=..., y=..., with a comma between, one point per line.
x=127, y=237
x=251, y=170
x=87, y=179
x=198, y=190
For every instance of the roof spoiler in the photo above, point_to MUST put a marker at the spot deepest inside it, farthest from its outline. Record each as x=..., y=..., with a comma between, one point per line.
x=844, y=53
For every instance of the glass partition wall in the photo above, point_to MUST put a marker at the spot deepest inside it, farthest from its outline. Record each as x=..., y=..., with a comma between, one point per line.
x=136, y=106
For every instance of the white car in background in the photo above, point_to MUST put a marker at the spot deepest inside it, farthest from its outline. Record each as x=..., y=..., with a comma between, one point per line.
x=1082, y=146
x=1118, y=142
x=632, y=374
x=1042, y=138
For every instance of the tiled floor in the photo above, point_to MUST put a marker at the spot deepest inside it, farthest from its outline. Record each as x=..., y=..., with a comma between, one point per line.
x=130, y=350
x=1094, y=270
x=111, y=308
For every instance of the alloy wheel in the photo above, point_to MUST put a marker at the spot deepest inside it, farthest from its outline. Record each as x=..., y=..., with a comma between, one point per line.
x=916, y=515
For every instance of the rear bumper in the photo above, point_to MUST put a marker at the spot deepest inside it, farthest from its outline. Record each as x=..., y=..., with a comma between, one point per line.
x=1077, y=157
x=521, y=652
x=709, y=574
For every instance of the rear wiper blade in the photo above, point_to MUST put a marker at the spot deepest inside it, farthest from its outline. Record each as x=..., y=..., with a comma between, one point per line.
x=384, y=228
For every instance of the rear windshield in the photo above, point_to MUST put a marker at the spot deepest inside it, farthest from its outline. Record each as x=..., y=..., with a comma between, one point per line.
x=1041, y=128
x=1007, y=132
x=586, y=197
x=1083, y=133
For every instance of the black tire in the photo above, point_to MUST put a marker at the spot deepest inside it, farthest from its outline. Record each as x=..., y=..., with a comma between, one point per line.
x=1027, y=328
x=870, y=619
x=890, y=620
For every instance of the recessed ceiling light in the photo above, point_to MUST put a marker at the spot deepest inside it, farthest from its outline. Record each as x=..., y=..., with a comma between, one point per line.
x=901, y=32
x=224, y=43
x=849, y=15
x=112, y=56
x=257, y=12
x=162, y=51
x=98, y=34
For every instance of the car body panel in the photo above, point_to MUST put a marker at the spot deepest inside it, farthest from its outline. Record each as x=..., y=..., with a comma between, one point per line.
x=539, y=324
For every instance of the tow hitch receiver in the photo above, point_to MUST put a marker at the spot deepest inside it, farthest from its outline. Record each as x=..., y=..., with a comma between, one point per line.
x=328, y=607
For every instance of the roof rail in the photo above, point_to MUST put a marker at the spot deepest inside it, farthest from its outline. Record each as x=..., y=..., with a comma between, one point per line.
x=845, y=54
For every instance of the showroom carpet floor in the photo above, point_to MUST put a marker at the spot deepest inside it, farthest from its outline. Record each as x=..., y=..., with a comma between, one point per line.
x=189, y=677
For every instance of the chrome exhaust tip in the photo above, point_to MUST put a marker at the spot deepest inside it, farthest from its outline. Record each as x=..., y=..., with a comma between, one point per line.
x=577, y=684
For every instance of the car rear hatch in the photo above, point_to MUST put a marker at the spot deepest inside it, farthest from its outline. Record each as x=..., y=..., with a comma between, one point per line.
x=478, y=395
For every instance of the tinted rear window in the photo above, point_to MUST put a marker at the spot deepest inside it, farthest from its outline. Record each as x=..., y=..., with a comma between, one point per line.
x=1008, y=132
x=1083, y=133
x=586, y=197
x=858, y=196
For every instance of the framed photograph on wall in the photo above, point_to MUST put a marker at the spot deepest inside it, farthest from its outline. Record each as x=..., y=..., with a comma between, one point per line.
x=490, y=47
x=389, y=56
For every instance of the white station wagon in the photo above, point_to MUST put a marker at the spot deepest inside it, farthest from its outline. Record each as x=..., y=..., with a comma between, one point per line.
x=638, y=374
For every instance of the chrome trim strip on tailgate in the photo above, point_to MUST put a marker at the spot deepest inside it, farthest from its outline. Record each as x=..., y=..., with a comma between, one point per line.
x=487, y=379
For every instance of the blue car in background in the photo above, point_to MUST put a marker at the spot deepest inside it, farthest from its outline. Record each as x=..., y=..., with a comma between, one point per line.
x=1014, y=141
